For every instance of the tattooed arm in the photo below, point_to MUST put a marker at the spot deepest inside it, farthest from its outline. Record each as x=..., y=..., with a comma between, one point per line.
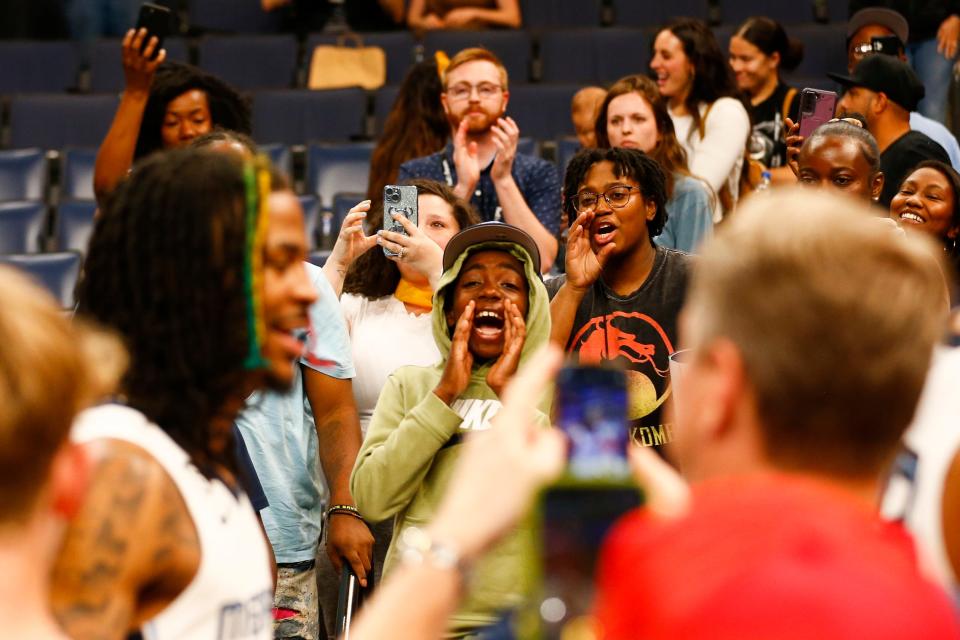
x=130, y=550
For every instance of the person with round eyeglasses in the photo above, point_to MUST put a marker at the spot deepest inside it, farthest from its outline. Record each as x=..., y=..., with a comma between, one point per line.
x=621, y=295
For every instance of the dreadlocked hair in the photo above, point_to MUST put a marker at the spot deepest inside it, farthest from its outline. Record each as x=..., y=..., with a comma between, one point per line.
x=170, y=267
x=372, y=275
x=228, y=108
x=627, y=163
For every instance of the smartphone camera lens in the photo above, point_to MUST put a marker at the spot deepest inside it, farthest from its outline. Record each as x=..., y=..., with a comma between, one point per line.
x=393, y=195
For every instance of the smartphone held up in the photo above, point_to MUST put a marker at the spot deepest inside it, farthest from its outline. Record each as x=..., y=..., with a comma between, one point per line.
x=399, y=200
x=157, y=20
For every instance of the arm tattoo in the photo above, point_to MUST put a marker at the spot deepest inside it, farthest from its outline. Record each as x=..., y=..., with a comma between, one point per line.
x=93, y=595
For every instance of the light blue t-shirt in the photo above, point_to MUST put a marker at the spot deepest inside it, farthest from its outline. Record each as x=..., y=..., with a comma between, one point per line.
x=689, y=216
x=939, y=133
x=282, y=440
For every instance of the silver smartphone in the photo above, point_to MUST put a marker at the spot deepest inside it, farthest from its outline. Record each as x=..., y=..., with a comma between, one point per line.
x=402, y=200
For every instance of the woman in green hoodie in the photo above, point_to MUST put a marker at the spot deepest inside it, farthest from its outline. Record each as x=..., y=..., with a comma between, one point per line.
x=490, y=313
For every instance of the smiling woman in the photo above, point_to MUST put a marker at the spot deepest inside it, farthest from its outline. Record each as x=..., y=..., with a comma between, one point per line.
x=928, y=201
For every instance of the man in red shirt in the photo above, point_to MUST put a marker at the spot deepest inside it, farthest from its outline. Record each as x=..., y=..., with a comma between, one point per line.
x=808, y=354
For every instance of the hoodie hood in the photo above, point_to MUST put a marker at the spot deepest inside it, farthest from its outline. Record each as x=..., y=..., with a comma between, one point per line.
x=538, y=307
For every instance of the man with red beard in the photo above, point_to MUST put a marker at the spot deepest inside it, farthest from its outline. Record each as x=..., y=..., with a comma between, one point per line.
x=481, y=163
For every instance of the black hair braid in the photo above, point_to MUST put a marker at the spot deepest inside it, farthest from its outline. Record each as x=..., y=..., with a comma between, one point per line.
x=629, y=163
x=164, y=269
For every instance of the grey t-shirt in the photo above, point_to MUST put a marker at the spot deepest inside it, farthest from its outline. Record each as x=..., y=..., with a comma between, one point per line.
x=640, y=332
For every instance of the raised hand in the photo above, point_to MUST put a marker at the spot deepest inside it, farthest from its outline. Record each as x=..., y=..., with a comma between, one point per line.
x=583, y=266
x=138, y=68
x=515, y=333
x=456, y=374
x=415, y=249
x=506, y=133
x=351, y=243
x=466, y=159
x=794, y=141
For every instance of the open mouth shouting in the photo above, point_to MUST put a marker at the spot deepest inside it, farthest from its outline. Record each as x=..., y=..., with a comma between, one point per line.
x=603, y=232
x=488, y=325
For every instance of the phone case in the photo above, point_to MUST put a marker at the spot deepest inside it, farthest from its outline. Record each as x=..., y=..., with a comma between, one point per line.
x=816, y=107
x=349, y=599
x=402, y=200
x=156, y=20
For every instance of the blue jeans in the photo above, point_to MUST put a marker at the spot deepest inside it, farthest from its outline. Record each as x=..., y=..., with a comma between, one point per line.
x=935, y=72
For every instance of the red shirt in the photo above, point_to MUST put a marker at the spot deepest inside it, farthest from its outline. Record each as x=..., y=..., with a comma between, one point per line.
x=766, y=557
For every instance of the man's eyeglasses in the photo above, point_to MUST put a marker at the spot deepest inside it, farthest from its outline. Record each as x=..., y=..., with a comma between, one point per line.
x=616, y=197
x=485, y=90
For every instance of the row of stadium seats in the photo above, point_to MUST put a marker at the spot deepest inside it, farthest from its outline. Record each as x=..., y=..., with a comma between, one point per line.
x=246, y=16
x=323, y=170
x=279, y=62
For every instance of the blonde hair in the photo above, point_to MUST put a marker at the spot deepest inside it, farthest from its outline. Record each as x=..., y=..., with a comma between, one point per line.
x=50, y=369
x=835, y=314
x=475, y=54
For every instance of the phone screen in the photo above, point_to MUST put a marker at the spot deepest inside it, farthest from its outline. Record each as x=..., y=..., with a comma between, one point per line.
x=591, y=409
x=575, y=521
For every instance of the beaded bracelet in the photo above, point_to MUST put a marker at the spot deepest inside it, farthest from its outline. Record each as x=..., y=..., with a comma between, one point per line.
x=344, y=508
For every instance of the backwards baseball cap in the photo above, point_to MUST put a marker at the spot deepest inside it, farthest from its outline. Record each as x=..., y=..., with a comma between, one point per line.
x=888, y=18
x=490, y=232
x=885, y=74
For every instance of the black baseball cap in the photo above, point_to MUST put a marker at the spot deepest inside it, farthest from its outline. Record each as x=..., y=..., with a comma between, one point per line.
x=885, y=74
x=490, y=232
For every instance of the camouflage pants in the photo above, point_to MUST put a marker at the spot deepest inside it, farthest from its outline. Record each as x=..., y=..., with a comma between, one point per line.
x=296, y=602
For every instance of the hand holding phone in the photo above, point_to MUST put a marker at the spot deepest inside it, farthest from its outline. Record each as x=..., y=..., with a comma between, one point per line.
x=403, y=201
x=156, y=19
x=816, y=107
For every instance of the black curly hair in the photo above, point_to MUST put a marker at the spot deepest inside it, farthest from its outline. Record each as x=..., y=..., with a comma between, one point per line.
x=627, y=163
x=373, y=275
x=164, y=270
x=228, y=108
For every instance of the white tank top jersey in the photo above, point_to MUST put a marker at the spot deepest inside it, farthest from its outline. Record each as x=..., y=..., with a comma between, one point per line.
x=915, y=487
x=231, y=596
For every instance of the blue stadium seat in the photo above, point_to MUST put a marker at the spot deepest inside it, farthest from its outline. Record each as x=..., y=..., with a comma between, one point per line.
x=251, y=62
x=736, y=11
x=332, y=169
x=593, y=55
x=76, y=177
x=281, y=156
x=21, y=226
x=342, y=203
x=237, y=16
x=383, y=101
x=569, y=55
x=633, y=13
x=319, y=258
x=57, y=272
x=33, y=66
x=560, y=13
x=512, y=47
x=311, y=217
x=302, y=116
x=397, y=45
x=106, y=66
x=824, y=48
x=23, y=174
x=542, y=111
x=527, y=146
x=57, y=121
x=75, y=224
x=566, y=149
